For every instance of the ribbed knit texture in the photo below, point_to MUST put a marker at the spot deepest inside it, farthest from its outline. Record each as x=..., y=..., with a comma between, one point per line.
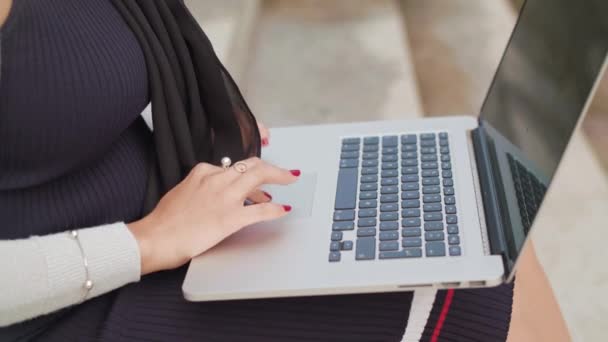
x=73, y=154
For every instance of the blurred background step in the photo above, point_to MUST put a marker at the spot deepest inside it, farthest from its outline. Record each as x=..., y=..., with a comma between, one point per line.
x=315, y=61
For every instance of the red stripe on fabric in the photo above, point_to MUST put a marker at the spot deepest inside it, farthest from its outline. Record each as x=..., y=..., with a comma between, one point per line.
x=444, y=312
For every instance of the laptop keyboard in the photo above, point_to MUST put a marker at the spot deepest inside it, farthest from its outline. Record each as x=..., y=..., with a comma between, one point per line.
x=396, y=195
x=528, y=190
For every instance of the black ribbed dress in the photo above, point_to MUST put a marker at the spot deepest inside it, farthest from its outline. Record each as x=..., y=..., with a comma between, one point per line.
x=74, y=153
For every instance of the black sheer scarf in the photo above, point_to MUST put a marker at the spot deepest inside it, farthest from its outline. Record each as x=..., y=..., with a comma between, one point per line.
x=198, y=112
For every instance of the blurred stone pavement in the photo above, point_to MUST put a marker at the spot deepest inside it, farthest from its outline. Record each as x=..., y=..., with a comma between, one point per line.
x=315, y=61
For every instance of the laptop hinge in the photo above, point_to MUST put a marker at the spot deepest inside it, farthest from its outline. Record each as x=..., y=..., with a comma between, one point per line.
x=493, y=203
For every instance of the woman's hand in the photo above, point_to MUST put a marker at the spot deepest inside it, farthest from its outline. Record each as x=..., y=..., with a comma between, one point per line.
x=205, y=208
x=264, y=134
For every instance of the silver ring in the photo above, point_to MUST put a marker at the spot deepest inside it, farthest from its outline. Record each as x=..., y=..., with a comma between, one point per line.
x=240, y=167
x=226, y=162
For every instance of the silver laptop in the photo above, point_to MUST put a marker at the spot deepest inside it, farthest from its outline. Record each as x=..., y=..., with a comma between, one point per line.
x=439, y=202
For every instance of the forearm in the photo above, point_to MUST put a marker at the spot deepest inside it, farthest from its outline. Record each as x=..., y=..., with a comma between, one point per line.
x=42, y=274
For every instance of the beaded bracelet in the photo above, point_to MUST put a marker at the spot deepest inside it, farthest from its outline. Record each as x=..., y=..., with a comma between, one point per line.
x=88, y=284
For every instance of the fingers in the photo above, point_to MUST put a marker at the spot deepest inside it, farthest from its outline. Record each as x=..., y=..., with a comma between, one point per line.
x=259, y=196
x=202, y=170
x=263, y=212
x=259, y=172
x=264, y=134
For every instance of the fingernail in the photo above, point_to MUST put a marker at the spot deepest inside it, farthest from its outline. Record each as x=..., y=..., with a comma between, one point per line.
x=286, y=207
x=265, y=142
x=295, y=172
x=267, y=195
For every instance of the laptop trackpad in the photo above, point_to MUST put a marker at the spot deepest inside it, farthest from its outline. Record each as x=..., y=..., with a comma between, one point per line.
x=299, y=194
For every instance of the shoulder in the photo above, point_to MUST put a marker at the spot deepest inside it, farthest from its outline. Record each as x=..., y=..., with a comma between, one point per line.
x=5, y=8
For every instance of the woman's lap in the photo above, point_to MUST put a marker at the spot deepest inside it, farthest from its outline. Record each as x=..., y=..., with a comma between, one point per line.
x=154, y=309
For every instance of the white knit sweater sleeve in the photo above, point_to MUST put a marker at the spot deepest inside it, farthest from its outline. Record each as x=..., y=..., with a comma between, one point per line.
x=42, y=274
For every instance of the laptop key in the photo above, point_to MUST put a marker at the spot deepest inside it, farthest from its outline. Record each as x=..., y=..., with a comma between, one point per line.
x=389, y=158
x=448, y=191
x=389, y=225
x=369, y=179
x=446, y=174
x=445, y=157
x=444, y=150
x=369, y=171
x=409, y=155
x=428, y=150
x=443, y=135
x=389, y=235
x=343, y=225
x=433, y=216
x=389, y=166
x=349, y=163
x=448, y=182
x=389, y=246
x=409, y=148
x=370, y=148
x=449, y=200
x=410, y=213
x=410, y=204
x=389, y=150
x=389, y=207
x=431, y=207
x=451, y=219
x=409, y=162
x=369, y=186
x=390, y=141
x=336, y=236
x=435, y=249
x=427, y=143
x=453, y=229
x=350, y=148
x=453, y=239
x=409, y=195
x=409, y=139
x=409, y=178
x=409, y=170
x=430, y=173
x=431, y=198
x=430, y=189
x=444, y=142
x=455, y=250
x=334, y=256
x=334, y=246
x=429, y=166
x=390, y=216
x=344, y=215
x=367, y=213
x=366, y=222
x=411, y=222
x=368, y=204
x=429, y=158
x=369, y=163
x=349, y=155
x=409, y=186
x=389, y=181
x=366, y=232
x=367, y=195
x=434, y=236
x=351, y=140
x=365, y=248
x=430, y=181
x=404, y=253
x=411, y=242
x=426, y=136
x=450, y=209
x=389, y=173
x=433, y=225
x=346, y=192
x=390, y=189
x=411, y=232
x=392, y=198
x=370, y=155
x=371, y=140
x=346, y=245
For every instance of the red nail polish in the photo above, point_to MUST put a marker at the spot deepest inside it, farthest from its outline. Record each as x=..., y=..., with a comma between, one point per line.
x=267, y=195
x=295, y=172
x=286, y=207
x=265, y=142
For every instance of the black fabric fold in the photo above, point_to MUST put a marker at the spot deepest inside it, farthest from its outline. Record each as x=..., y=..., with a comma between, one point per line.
x=198, y=113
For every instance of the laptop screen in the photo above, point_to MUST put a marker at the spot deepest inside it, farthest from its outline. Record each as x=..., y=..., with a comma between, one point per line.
x=548, y=71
